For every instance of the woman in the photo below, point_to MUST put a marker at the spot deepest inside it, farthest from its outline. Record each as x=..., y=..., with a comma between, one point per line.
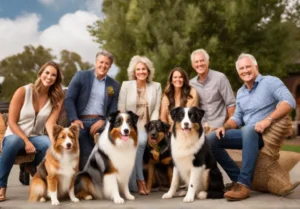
x=177, y=93
x=32, y=108
x=142, y=96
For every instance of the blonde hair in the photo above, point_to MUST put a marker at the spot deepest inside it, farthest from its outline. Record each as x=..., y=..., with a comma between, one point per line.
x=55, y=91
x=140, y=59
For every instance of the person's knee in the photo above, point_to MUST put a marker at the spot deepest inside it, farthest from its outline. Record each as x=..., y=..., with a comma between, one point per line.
x=13, y=141
x=45, y=144
x=212, y=139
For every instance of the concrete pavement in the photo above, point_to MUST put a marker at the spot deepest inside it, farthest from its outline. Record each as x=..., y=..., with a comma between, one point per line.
x=17, y=196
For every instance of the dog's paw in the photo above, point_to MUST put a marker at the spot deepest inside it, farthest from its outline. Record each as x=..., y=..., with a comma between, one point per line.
x=42, y=199
x=130, y=197
x=202, y=195
x=74, y=199
x=167, y=196
x=55, y=202
x=189, y=198
x=119, y=200
x=88, y=197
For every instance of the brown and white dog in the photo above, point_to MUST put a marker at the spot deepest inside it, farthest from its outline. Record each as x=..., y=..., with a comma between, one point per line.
x=111, y=162
x=56, y=174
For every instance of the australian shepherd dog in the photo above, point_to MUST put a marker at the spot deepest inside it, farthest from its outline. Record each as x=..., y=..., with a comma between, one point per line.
x=192, y=157
x=56, y=174
x=111, y=162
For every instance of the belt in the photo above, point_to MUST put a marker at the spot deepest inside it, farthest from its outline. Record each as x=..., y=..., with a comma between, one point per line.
x=91, y=116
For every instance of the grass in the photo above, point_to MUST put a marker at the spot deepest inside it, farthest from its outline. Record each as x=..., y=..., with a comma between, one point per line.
x=294, y=148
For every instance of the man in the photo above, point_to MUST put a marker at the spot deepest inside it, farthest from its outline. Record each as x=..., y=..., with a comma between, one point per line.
x=214, y=90
x=260, y=101
x=91, y=96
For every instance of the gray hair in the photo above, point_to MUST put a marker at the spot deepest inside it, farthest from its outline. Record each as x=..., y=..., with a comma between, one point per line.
x=106, y=54
x=200, y=51
x=249, y=56
x=140, y=59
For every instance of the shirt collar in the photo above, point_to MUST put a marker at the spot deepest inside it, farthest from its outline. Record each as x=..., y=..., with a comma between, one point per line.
x=207, y=77
x=103, y=79
x=258, y=78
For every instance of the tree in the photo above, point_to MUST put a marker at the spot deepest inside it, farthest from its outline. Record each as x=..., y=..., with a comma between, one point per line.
x=168, y=31
x=70, y=62
x=22, y=68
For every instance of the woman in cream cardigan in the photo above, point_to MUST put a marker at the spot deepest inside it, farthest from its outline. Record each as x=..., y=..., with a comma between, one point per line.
x=142, y=96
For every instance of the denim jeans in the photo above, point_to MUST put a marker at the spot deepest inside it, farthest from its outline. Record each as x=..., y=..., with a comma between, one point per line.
x=86, y=141
x=246, y=139
x=12, y=145
x=137, y=172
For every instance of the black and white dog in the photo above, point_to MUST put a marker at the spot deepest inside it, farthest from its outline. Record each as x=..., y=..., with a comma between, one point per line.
x=192, y=156
x=110, y=164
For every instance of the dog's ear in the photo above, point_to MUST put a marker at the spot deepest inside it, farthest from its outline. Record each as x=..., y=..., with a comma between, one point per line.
x=174, y=112
x=133, y=116
x=166, y=127
x=147, y=126
x=200, y=113
x=56, y=130
x=112, y=116
x=75, y=130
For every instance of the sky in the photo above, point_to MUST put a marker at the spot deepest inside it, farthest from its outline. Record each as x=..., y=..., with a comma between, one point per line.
x=55, y=24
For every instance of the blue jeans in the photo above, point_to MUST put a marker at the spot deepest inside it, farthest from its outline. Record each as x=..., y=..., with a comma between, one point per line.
x=137, y=172
x=12, y=145
x=86, y=141
x=246, y=139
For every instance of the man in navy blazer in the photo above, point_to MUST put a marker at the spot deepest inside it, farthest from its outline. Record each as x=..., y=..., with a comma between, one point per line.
x=91, y=96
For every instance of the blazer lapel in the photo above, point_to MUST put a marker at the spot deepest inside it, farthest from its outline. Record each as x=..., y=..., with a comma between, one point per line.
x=150, y=97
x=132, y=91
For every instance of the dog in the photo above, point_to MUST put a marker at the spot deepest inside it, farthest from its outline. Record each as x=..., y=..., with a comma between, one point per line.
x=56, y=174
x=111, y=162
x=158, y=150
x=193, y=158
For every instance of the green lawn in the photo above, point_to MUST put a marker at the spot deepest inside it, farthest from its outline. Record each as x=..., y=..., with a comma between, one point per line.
x=293, y=148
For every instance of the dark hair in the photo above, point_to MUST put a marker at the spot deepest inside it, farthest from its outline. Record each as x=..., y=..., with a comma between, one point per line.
x=185, y=90
x=55, y=91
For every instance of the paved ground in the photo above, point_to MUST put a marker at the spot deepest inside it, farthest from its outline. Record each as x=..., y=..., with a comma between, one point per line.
x=17, y=198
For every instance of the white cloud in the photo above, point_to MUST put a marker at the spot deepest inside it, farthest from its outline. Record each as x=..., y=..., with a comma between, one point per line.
x=94, y=6
x=69, y=33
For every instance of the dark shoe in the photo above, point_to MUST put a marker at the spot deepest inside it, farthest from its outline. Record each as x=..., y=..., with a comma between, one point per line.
x=24, y=176
x=2, y=194
x=229, y=186
x=238, y=192
x=142, y=187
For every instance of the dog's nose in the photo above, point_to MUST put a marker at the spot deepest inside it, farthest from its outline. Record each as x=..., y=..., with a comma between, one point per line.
x=126, y=131
x=69, y=145
x=186, y=124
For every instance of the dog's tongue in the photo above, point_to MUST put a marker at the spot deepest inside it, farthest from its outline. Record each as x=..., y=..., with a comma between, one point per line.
x=186, y=130
x=125, y=138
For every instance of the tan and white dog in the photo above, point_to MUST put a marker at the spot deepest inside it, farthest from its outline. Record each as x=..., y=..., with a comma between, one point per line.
x=56, y=174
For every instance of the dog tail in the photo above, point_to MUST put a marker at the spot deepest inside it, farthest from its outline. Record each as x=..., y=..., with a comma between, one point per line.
x=216, y=185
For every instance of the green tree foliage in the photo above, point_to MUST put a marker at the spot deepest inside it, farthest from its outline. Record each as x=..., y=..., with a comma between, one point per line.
x=70, y=62
x=22, y=68
x=168, y=31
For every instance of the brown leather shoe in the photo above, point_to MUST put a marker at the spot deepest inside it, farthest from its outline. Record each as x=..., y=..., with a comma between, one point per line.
x=142, y=187
x=229, y=186
x=238, y=192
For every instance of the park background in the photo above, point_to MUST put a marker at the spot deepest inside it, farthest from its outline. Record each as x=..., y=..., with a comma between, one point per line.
x=166, y=31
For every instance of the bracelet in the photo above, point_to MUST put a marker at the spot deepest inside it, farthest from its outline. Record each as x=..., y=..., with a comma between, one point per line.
x=270, y=118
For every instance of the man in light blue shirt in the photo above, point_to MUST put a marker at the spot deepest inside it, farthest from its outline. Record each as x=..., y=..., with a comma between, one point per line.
x=260, y=101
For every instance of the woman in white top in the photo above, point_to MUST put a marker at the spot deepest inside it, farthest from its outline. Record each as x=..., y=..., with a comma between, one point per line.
x=142, y=96
x=32, y=108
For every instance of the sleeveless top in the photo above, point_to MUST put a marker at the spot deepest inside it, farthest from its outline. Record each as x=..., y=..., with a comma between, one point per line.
x=31, y=124
x=142, y=108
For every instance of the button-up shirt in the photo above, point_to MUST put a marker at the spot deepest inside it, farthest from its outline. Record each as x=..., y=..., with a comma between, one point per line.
x=215, y=95
x=95, y=105
x=261, y=100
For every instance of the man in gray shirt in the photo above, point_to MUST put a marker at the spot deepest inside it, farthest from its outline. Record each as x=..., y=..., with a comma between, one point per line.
x=216, y=97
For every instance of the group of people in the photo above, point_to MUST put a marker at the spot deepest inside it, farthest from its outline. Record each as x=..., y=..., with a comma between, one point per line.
x=235, y=122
